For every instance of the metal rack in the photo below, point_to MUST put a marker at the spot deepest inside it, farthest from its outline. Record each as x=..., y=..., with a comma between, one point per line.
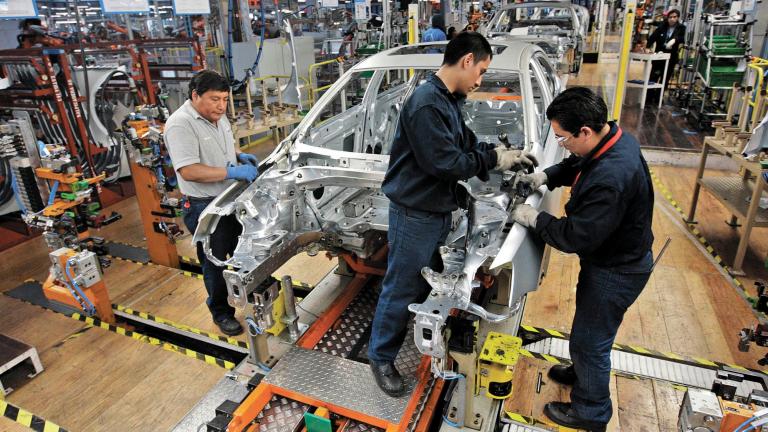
x=723, y=42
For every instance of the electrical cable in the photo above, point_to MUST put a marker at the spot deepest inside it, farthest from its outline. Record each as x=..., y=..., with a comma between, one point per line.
x=91, y=308
x=450, y=423
x=54, y=189
x=230, y=31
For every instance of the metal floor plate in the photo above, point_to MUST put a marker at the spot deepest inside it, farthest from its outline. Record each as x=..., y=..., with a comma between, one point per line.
x=650, y=367
x=353, y=324
x=338, y=381
x=281, y=415
x=354, y=426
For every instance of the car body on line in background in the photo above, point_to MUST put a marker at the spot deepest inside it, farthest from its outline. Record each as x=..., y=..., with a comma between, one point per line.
x=560, y=28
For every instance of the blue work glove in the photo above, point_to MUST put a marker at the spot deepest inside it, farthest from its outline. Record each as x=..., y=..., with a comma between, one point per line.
x=247, y=158
x=245, y=172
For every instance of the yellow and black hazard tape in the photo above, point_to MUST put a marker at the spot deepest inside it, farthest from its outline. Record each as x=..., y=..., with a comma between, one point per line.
x=560, y=361
x=153, y=341
x=27, y=419
x=707, y=246
x=157, y=319
x=126, y=244
x=95, y=322
x=114, y=257
x=634, y=349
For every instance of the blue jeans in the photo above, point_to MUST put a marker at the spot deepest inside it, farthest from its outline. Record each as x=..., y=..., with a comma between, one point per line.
x=603, y=295
x=223, y=242
x=414, y=238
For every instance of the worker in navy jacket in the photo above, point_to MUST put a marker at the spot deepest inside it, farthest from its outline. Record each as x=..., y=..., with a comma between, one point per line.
x=607, y=223
x=433, y=149
x=667, y=38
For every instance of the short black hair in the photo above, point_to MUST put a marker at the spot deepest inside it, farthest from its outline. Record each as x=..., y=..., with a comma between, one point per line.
x=465, y=43
x=673, y=11
x=207, y=80
x=577, y=107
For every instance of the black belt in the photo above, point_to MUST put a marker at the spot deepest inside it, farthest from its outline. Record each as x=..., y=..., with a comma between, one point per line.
x=197, y=199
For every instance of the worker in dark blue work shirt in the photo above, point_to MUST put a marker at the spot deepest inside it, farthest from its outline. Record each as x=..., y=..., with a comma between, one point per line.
x=607, y=223
x=432, y=150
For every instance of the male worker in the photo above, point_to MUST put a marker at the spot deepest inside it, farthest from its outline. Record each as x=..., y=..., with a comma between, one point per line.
x=608, y=224
x=667, y=39
x=436, y=31
x=203, y=152
x=432, y=150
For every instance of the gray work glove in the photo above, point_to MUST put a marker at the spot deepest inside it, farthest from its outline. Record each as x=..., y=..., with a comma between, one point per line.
x=510, y=159
x=533, y=181
x=525, y=215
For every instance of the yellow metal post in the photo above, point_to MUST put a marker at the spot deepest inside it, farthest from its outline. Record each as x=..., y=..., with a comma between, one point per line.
x=626, y=46
x=413, y=24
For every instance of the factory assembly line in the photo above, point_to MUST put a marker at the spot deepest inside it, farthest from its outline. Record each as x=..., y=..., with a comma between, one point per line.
x=197, y=225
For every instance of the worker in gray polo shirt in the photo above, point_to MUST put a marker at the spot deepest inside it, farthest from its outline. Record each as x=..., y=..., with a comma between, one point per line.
x=203, y=152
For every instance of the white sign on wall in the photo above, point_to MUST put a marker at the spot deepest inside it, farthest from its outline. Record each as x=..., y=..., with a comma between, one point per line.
x=330, y=3
x=124, y=6
x=18, y=9
x=362, y=10
x=191, y=7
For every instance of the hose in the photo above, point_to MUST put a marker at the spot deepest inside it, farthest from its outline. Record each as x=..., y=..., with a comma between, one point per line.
x=90, y=309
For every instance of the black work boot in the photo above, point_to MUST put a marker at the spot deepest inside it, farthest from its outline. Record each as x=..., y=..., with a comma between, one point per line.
x=562, y=414
x=388, y=378
x=564, y=375
x=229, y=326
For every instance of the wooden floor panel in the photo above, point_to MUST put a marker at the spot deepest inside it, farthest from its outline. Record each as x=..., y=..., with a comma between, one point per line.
x=89, y=377
x=6, y=425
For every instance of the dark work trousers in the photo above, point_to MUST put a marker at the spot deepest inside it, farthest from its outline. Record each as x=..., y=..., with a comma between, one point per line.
x=603, y=295
x=222, y=243
x=414, y=238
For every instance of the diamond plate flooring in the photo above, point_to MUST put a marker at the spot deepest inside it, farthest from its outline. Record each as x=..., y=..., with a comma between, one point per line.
x=650, y=367
x=354, y=426
x=281, y=415
x=352, y=326
x=338, y=381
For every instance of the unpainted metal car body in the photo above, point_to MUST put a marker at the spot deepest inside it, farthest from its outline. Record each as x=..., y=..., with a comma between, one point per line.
x=560, y=28
x=320, y=188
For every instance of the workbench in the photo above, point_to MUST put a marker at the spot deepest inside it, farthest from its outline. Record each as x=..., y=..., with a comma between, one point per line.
x=739, y=194
x=648, y=59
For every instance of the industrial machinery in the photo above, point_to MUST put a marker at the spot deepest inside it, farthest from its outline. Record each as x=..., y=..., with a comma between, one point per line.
x=711, y=411
x=75, y=280
x=52, y=195
x=320, y=190
x=155, y=181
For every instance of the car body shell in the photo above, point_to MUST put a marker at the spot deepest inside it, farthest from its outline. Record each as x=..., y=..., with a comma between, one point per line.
x=320, y=189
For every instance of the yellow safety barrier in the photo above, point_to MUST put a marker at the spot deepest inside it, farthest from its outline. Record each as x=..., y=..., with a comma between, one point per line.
x=312, y=67
x=759, y=65
x=626, y=45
